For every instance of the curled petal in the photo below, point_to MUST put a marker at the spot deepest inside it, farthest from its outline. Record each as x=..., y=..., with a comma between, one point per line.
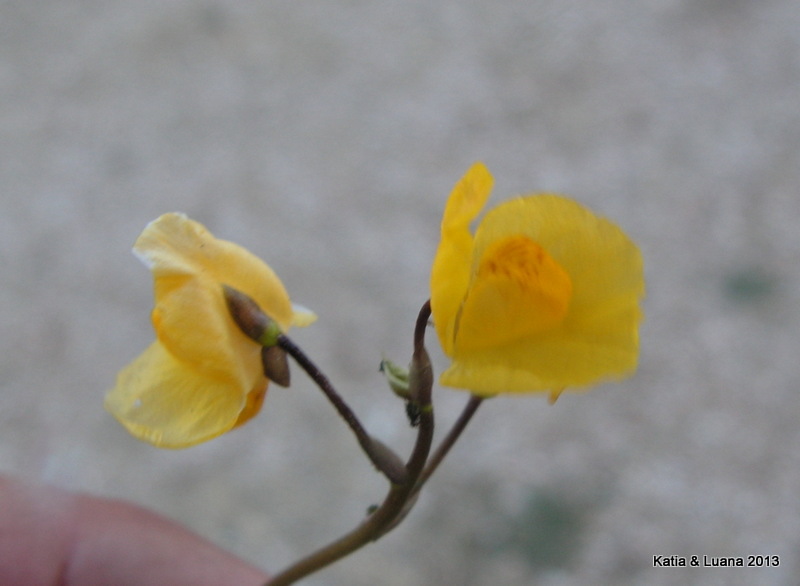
x=450, y=274
x=175, y=246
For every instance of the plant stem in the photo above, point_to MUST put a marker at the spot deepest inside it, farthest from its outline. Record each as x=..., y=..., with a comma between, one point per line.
x=377, y=524
x=348, y=543
x=378, y=457
x=421, y=325
x=455, y=432
x=460, y=424
x=422, y=447
x=396, y=503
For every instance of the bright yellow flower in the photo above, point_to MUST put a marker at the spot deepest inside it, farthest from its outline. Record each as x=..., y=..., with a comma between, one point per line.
x=544, y=296
x=202, y=376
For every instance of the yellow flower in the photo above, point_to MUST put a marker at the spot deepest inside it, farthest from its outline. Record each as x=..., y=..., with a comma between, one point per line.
x=544, y=296
x=202, y=376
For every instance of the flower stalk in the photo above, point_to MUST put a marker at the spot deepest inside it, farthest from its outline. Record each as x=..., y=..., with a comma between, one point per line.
x=380, y=455
x=402, y=493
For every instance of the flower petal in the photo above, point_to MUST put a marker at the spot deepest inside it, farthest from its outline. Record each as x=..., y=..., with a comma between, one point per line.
x=607, y=351
x=192, y=321
x=518, y=290
x=253, y=403
x=598, y=337
x=450, y=274
x=173, y=246
x=190, y=316
x=604, y=264
x=163, y=401
x=302, y=316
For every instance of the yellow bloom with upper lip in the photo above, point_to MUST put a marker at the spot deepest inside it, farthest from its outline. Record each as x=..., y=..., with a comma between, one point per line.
x=544, y=296
x=202, y=376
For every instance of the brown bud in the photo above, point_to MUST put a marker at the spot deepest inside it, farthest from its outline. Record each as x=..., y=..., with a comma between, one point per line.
x=255, y=324
x=276, y=365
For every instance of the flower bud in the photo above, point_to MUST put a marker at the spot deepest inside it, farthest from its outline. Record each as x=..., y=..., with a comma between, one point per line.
x=276, y=366
x=397, y=377
x=255, y=324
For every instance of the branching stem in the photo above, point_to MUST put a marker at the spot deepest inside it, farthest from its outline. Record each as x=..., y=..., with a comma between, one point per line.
x=405, y=487
x=377, y=456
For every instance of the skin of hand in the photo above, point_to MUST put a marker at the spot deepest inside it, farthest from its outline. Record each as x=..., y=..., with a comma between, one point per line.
x=53, y=537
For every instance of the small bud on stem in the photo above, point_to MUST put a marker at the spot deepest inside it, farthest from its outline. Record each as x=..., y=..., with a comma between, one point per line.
x=397, y=377
x=276, y=365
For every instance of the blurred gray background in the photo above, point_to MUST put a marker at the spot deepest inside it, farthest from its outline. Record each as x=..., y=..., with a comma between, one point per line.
x=325, y=137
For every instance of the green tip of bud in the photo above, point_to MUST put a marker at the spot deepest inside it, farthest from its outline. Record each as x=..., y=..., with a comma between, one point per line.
x=255, y=324
x=270, y=335
x=397, y=377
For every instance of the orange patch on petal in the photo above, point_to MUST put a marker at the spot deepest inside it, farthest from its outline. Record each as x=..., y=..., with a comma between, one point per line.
x=518, y=290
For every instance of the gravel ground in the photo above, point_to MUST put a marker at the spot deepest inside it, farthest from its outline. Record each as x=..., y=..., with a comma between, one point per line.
x=325, y=137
